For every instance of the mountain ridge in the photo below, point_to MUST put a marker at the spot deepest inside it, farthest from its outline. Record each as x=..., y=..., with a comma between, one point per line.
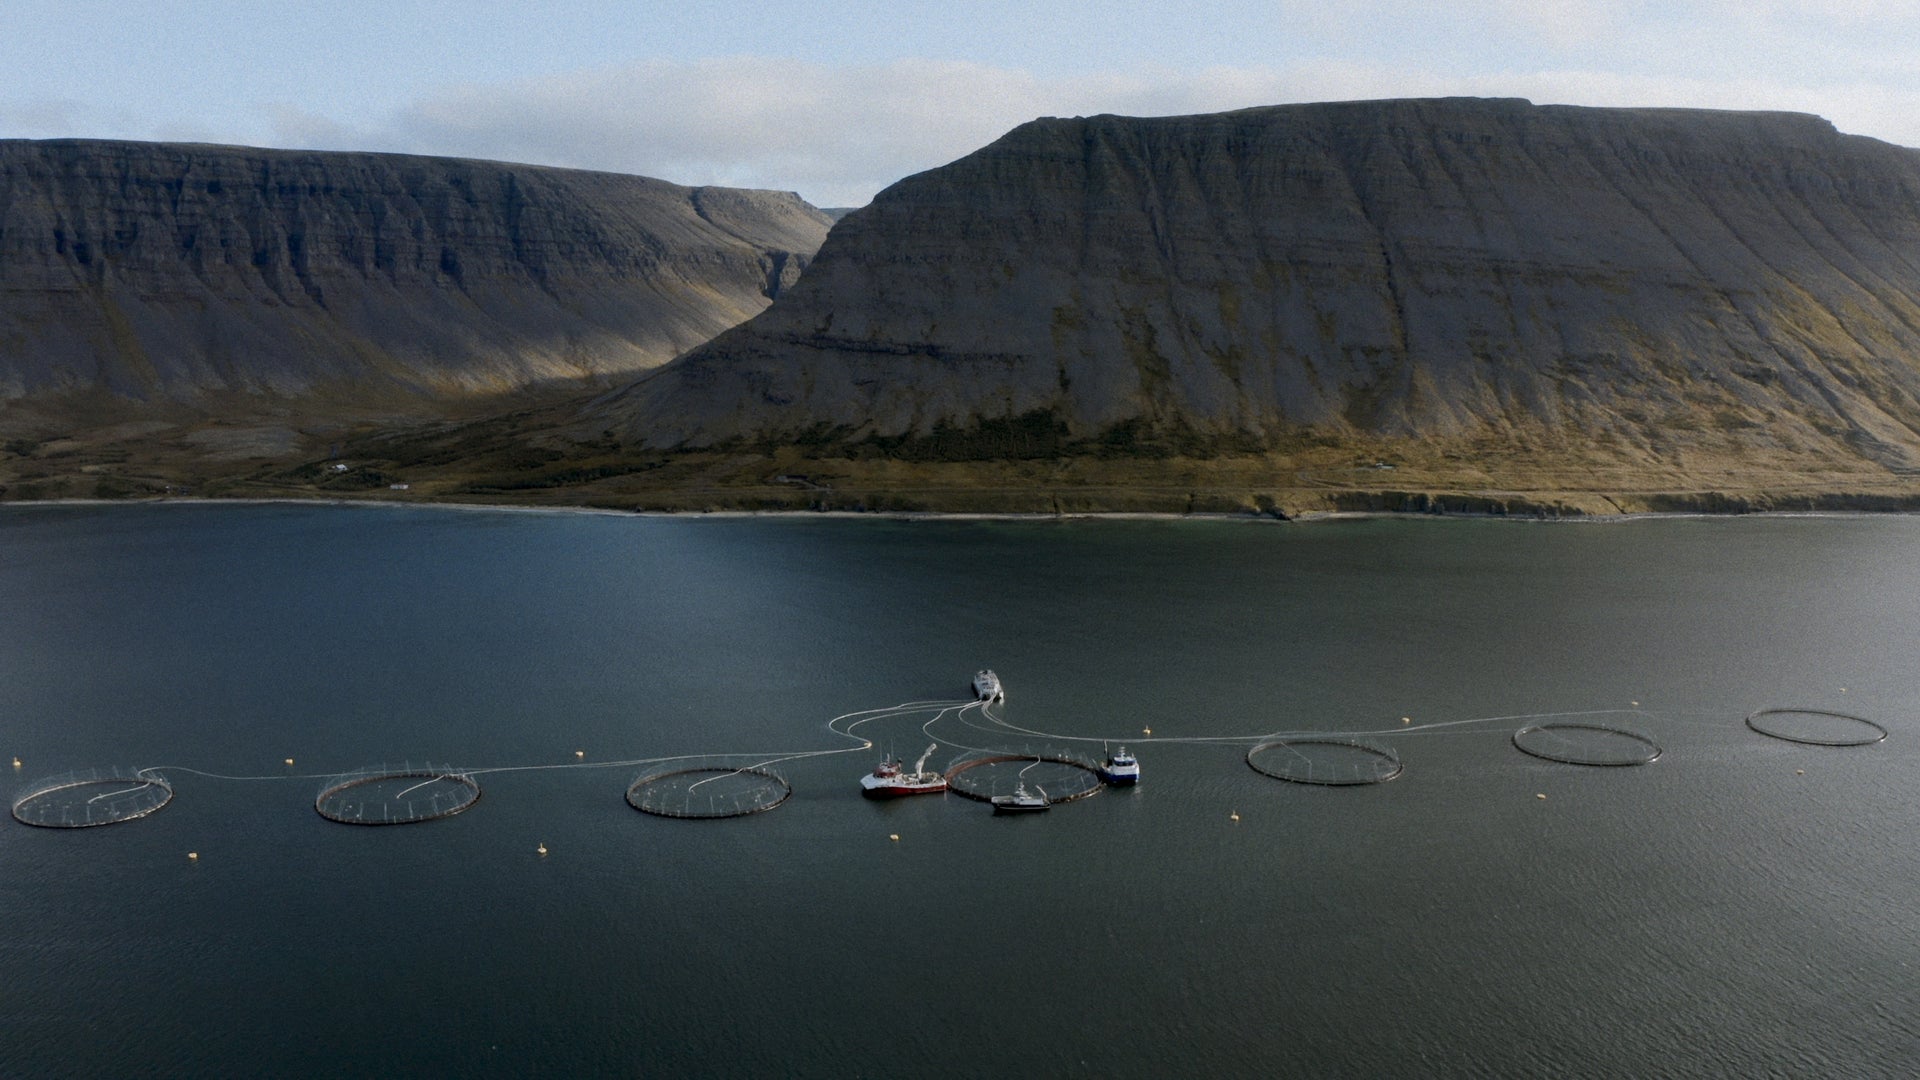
x=1622, y=284
x=173, y=274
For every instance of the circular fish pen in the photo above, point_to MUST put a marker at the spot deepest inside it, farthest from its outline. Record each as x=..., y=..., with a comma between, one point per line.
x=406, y=795
x=1586, y=744
x=1058, y=777
x=1329, y=762
x=1816, y=727
x=708, y=791
x=90, y=797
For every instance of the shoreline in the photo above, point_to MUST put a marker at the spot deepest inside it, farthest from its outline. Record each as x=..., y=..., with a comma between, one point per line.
x=1250, y=517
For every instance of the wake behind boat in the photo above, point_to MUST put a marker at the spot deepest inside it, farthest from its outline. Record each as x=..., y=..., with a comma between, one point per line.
x=986, y=686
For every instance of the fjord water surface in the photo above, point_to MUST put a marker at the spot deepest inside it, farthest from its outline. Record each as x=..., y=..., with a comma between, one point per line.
x=1742, y=906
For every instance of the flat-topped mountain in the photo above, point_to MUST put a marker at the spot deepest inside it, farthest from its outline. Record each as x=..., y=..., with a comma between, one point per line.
x=189, y=275
x=1633, y=285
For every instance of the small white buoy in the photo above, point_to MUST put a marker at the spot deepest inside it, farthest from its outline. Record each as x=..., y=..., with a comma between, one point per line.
x=1635, y=704
x=192, y=856
x=1146, y=731
x=579, y=753
x=1542, y=795
x=1406, y=719
x=1843, y=689
x=1234, y=816
x=1799, y=772
x=16, y=763
x=289, y=761
x=542, y=849
x=893, y=836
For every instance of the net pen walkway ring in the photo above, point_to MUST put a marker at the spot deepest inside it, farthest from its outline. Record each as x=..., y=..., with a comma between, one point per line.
x=708, y=791
x=1079, y=779
x=1586, y=743
x=1817, y=727
x=406, y=795
x=91, y=797
x=1328, y=761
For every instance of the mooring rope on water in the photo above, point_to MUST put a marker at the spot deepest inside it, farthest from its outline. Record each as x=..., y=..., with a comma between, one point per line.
x=1541, y=735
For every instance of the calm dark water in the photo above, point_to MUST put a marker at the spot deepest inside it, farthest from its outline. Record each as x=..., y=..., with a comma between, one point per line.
x=1741, y=907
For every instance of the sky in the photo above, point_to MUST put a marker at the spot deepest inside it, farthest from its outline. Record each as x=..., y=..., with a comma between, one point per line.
x=837, y=99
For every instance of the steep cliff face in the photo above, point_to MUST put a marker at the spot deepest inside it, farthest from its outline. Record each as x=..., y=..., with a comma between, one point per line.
x=168, y=273
x=1437, y=269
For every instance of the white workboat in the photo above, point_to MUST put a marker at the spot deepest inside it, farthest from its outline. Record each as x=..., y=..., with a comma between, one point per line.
x=890, y=780
x=1020, y=802
x=986, y=686
x=1121, y=768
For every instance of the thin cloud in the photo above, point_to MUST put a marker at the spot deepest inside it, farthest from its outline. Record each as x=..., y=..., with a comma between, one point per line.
x=839, y=134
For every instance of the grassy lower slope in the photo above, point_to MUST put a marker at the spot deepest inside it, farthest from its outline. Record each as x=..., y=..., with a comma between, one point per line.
x=495, y=461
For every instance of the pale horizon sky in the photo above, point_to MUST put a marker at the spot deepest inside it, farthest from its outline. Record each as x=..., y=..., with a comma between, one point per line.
x=839, y=98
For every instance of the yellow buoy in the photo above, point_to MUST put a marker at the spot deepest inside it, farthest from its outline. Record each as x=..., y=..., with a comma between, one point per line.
x=579, y=753
x=1146, y=731
x=192, y=855
x=542, y=849
x=893, y=836
x=16, y=763
x=289, y=761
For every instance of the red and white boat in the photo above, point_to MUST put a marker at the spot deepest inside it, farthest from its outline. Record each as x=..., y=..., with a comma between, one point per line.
x=888, y=779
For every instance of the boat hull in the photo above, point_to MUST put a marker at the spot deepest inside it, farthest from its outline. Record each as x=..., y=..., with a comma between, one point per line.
x=895, y=785
x=896, y=791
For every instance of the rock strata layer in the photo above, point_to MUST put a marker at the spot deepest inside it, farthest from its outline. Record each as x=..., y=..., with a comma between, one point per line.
x=172, y=273
x=1630, y=280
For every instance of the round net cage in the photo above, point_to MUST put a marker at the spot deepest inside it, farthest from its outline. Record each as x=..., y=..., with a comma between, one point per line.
x=708, y=790
x=402, y=795
x=1586, y=744
x=1056, y=777
x=1332, y=762
x=88, y=797
x=1816, y=727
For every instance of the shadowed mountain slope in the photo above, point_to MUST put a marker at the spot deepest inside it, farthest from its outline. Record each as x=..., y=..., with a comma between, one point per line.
x=1631, y=284
x=180, y=276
